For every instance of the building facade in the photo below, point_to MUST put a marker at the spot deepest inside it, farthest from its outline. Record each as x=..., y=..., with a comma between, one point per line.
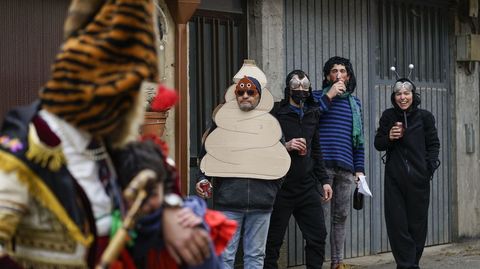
x=283, y=35
x=202, y=51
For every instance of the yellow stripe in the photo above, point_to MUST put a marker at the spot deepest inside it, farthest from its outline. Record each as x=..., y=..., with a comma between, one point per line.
x=43, y=155
x=42, y=193
x=8, y=223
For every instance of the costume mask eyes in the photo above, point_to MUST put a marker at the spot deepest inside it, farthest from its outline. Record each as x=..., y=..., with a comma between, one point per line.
x=296, y=83
x=246, y=86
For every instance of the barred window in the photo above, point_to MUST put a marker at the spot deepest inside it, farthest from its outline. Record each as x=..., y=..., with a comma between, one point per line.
x=412, y=32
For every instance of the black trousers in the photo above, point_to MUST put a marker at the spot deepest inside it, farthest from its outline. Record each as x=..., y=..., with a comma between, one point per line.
x=406, y=217
x=308, y=212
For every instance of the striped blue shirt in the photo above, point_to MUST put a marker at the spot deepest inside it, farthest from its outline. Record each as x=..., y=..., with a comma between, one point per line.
x=336, y=134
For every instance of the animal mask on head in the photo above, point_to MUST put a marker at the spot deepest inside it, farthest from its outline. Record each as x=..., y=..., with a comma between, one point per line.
x=96, y=77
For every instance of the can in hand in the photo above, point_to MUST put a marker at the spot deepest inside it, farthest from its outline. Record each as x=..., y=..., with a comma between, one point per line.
x=206, y=187
x=303, y=152
x=399, y=125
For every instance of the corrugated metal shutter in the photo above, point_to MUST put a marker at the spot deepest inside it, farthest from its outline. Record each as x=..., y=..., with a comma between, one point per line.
x=316, y=31
x=376, y=34
x=417, y=33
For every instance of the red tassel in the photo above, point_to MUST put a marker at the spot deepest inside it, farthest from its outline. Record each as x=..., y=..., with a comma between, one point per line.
x=164, y=99
x=221, y=229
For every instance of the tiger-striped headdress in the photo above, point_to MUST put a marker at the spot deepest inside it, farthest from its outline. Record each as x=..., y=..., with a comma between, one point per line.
x=108, y=52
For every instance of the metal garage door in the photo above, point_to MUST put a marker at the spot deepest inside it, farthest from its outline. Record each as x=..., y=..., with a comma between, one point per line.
x=376, y=34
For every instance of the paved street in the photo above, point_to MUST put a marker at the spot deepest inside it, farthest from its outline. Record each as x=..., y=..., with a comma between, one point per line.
x=465, y=255
x=451, y=256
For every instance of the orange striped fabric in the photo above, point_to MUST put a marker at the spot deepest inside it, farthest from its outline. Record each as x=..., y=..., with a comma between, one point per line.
x=97, y=75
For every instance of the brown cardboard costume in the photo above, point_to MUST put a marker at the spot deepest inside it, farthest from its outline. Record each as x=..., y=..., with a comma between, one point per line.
x=246, y=144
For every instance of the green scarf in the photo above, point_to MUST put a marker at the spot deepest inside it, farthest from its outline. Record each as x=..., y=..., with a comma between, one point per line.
x=357, y=130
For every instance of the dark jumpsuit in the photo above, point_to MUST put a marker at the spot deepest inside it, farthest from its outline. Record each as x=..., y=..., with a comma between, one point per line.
x=300, y=193
x=409, y=165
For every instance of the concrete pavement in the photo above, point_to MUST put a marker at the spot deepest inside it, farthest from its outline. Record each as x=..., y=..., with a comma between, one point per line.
x=450, y=256
x=465, y=255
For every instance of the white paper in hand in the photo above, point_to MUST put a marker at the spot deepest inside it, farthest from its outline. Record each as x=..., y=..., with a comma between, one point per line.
x=363, y=187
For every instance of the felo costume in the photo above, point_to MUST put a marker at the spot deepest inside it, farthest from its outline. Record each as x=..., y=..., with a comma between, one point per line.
x=246, y=161
x=54, y=205
x=301, y=192
x=409, y=166
x=342, y=142
x=246, y=144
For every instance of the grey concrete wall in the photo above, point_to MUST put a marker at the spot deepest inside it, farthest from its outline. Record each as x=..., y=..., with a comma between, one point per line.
x=466, y=165
x=266, y=43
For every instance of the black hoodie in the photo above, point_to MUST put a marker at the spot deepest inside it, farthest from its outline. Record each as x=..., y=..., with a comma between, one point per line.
x=415, y=155
x=308, y=171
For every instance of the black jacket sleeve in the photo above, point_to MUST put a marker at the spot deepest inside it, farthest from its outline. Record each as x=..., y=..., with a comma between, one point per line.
x=432, y=143
x=382, y=141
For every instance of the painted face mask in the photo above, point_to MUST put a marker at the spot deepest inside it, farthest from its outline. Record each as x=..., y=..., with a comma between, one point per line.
x=299, y=97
